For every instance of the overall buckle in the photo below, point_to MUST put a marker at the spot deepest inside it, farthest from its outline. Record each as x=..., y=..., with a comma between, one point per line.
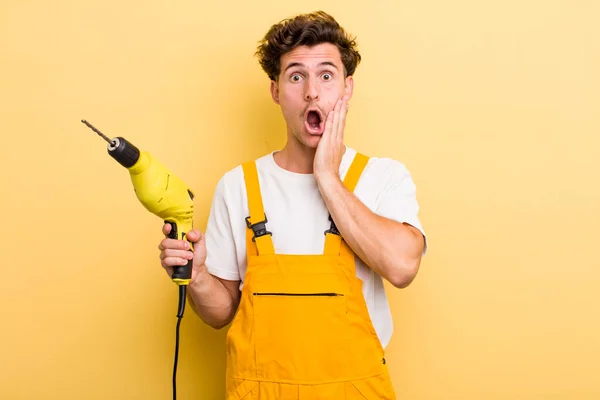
x=332, y=229
x=259, y=228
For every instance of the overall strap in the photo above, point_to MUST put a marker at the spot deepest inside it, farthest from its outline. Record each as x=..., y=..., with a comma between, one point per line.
x=333, y=239
x=258, y=238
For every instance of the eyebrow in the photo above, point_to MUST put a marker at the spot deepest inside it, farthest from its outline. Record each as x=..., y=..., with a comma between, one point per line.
x=297, y=64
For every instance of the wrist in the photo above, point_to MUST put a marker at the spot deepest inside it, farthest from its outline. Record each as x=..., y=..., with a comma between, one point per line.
x=329, y=185
x=326, y=178
x=200, y=278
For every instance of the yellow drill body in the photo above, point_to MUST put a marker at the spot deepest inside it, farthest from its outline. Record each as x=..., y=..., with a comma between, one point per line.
x=164, y=195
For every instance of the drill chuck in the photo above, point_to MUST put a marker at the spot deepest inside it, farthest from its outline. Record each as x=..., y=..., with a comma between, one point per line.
x=123, y=151
x=118, y=148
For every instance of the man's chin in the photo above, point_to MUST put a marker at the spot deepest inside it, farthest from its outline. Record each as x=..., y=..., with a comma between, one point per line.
x=306, y=139
x=311, y=140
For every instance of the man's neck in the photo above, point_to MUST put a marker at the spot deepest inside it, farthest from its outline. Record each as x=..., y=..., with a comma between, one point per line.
x=298, y=159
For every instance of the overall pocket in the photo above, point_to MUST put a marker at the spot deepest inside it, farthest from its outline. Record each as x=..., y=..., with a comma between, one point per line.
x=242, y=390
x=301, y=335
x=377, y=387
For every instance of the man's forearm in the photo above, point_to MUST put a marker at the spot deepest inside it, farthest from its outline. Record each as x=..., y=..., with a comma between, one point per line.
x=210, y=299
x=392, y=249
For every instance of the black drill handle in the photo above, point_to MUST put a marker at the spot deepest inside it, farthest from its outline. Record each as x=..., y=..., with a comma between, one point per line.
x=181, y=272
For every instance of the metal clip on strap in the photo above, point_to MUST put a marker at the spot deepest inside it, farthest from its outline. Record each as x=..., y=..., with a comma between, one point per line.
x=259, y=228
x=332, y=229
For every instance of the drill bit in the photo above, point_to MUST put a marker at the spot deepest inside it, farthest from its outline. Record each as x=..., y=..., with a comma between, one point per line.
x=98, y=132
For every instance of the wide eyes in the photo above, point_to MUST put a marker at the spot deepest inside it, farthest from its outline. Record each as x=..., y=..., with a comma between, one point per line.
x=297, y=77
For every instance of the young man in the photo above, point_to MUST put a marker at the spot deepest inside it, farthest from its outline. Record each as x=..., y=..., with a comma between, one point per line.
x=298, y=241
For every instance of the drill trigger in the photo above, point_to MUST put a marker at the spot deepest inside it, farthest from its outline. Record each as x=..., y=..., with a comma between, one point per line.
x=173, y=234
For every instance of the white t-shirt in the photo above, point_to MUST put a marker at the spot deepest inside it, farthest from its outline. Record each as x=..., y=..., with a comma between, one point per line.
x=298, y=217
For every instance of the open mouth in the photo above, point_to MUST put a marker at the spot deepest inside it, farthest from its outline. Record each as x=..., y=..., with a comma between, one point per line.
x=314, y=122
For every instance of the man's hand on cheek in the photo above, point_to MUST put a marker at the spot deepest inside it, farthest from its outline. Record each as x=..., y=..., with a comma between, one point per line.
x=331, y=145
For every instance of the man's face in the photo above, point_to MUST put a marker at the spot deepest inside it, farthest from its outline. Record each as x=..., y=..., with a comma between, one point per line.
x=310, y=82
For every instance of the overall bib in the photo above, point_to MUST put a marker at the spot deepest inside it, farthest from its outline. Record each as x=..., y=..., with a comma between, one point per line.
x=302, y=330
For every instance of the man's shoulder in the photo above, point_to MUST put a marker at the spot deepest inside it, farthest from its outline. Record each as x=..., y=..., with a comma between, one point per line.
x=234, y=177
x=382, y=167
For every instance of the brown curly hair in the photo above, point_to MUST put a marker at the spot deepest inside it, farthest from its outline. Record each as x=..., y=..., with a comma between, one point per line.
x=309, y=30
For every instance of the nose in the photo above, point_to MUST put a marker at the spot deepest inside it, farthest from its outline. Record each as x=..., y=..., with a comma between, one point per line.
x=311, y=90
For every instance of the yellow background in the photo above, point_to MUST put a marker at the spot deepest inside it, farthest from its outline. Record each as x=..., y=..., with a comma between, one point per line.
x=493, y=106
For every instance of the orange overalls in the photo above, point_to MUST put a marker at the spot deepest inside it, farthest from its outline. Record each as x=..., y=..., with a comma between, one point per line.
x=302, y=329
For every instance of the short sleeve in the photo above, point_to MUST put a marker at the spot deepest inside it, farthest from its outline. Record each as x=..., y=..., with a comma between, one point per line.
x=398, y=200
x=221, y=256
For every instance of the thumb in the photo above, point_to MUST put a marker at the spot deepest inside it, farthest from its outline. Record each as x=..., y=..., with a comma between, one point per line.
x=200, y=250
x=194, y=236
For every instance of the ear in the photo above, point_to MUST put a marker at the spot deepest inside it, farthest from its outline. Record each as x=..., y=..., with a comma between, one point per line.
x=275, y=91
x=349, y=89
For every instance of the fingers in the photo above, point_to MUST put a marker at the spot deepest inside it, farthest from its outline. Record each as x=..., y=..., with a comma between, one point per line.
x=329, y=124
x=172, y=258
x=174, y=252
x=193, y=236
x=342, y=121
x=167, y=243
x=336, y=119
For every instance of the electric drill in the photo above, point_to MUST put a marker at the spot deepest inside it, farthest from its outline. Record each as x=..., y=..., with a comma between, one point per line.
x=160, y=192
x=164, y=195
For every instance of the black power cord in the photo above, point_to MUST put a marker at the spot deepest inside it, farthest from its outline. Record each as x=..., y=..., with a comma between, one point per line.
x=180, y=309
